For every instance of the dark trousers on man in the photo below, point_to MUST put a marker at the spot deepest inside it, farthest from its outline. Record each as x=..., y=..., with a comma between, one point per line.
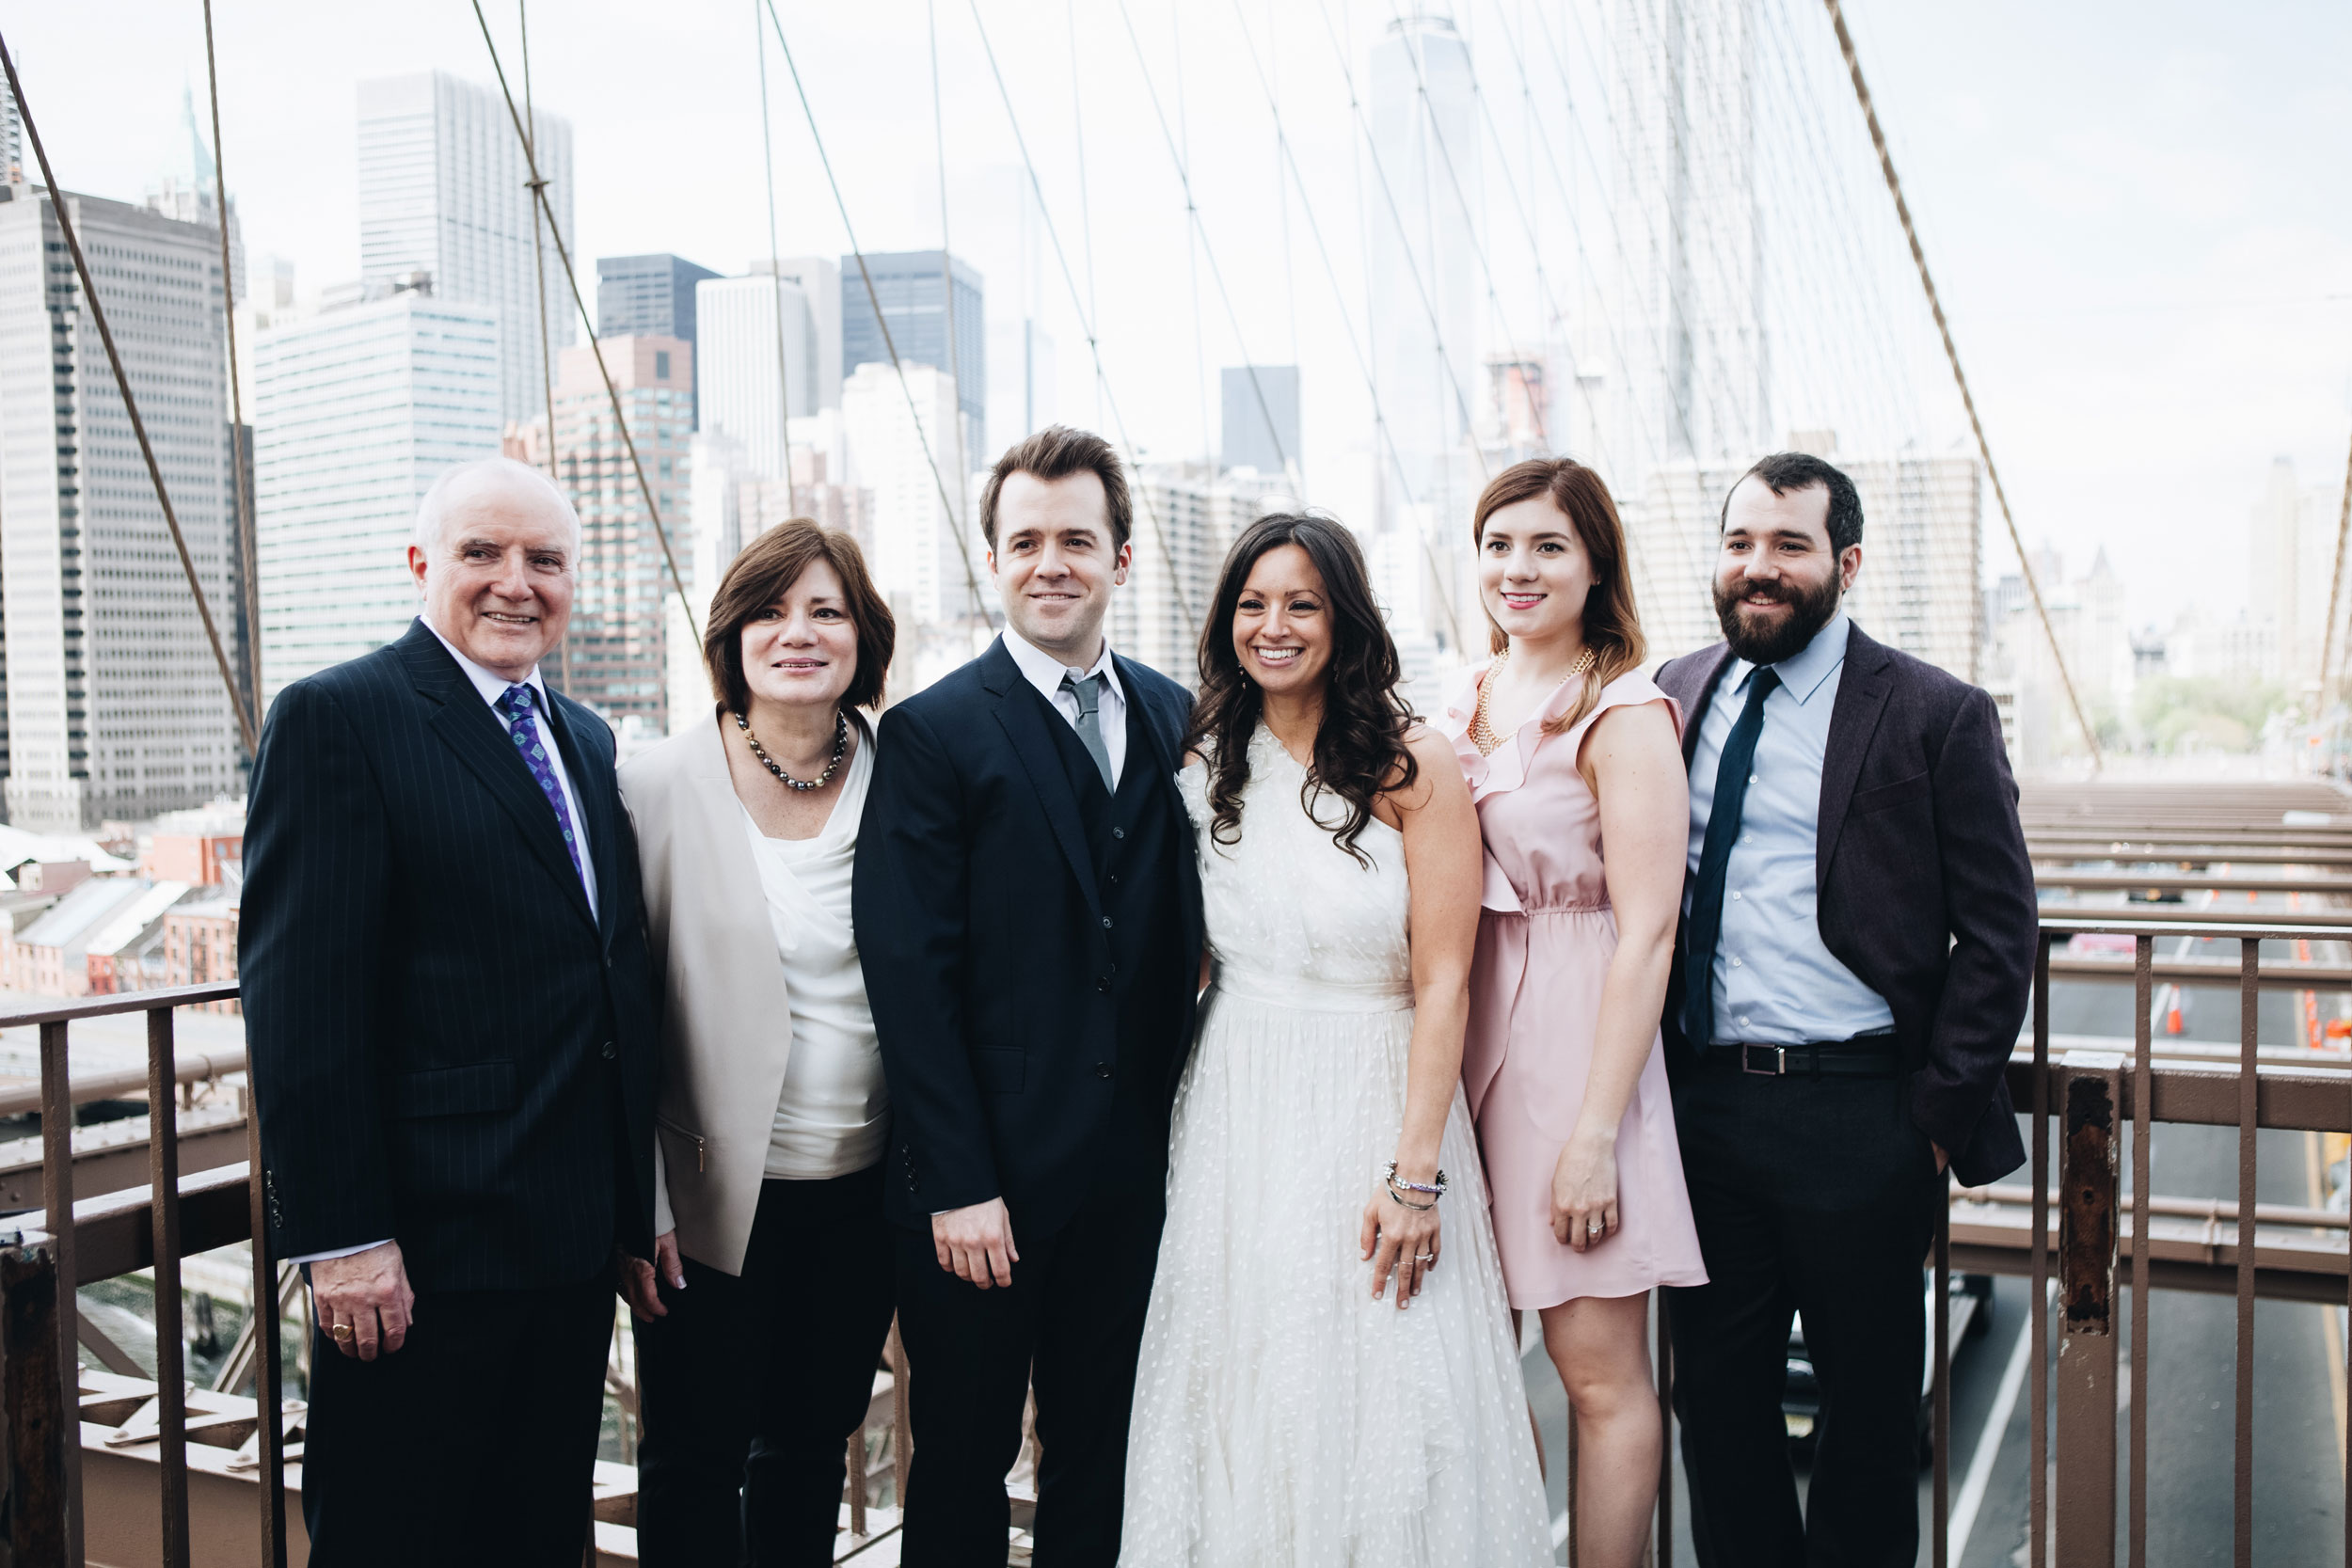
x=1072, y=1322
x=474, y=1443
x=754, y=1383
x=1814, y=1196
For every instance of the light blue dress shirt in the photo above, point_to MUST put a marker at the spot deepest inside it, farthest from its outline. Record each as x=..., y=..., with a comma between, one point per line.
x=1775, y=982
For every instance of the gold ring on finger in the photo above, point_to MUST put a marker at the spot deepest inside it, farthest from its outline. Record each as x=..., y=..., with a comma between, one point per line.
x=342, y=1332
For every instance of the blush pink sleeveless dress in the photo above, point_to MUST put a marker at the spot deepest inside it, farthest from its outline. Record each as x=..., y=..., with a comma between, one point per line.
x=1546, y=935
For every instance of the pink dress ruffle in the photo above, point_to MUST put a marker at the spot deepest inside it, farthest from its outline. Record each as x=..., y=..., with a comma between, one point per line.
x=1546, y=935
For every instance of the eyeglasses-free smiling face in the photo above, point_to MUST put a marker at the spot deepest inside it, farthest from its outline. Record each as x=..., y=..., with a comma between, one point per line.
x=1533, y=573
x=498, y=577
x=803, y=648
x=1777, y=576
x=1282, y=623
x=1055, y=561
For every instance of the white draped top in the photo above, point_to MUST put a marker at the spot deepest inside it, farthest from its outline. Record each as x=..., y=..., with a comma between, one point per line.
x=830, y=1115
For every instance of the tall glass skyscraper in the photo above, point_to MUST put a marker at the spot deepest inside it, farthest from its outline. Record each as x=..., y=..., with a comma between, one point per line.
x=649, y=297
x=356, y=411
x=444, y=190
x=913, y=287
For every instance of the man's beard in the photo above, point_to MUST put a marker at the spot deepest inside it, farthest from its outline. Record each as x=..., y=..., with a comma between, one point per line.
x=1769, y=643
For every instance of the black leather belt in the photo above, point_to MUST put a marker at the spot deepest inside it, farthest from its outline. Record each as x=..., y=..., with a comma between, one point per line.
x=1872, y=1056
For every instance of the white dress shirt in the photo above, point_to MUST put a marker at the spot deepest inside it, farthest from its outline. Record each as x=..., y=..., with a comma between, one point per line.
x=832, y=1111
x=492, y=688
x=1045, y=671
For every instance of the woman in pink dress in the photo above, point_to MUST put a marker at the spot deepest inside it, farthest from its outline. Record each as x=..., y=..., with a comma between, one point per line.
x=1567, y=746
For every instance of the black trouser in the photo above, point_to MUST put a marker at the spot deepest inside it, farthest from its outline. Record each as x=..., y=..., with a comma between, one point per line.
x=753, y=1383
x=1815, y=1195
x=1072, y=1322
x=474, y=1443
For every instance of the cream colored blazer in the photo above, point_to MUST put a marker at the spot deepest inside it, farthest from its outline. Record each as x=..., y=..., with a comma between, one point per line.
x=727, y=1029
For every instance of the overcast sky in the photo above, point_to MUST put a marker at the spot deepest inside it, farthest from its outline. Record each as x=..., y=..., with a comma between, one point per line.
x=2134, y=210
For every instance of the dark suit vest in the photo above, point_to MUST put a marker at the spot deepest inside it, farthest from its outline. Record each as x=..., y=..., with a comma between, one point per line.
x=1133, y=838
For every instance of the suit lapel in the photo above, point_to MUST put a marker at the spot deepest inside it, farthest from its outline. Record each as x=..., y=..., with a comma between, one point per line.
x=1024, y=715
x=468, y=728
x=1860, y=698
x=1705, y=673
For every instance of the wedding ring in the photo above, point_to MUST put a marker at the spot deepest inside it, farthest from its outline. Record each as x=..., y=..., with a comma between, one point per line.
x=1424, y=1258
x=342, y=1333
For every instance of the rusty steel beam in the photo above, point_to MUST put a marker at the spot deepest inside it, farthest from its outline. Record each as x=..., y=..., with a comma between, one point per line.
x=41, y=1428
x=120, y=1002
x=2298, y=1099
x=20, y=1097
x=2092, y=1108
x=114, y=1234
x=2314, y=923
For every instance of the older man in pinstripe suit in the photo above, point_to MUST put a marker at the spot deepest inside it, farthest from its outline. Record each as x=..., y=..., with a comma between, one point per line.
x=452, y=1018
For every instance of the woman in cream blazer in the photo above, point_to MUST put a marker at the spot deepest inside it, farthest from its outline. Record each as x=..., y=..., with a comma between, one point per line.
x=761, y=1320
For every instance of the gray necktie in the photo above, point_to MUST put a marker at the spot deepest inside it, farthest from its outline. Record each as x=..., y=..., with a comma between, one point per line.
x=1090, y=695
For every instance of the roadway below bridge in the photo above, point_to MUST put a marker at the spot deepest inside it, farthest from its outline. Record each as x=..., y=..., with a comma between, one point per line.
x=2298, y=1362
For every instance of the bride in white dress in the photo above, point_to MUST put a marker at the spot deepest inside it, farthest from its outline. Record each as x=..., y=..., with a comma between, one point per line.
x=1327, y=1377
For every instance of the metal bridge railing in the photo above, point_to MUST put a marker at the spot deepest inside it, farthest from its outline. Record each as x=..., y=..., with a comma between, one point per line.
x=2100, y=1240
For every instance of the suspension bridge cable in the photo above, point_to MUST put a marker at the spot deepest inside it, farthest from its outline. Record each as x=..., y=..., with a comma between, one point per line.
x=1086, y=325
x=563, y=254
x=1453, y=178
x=539, y=281
x=58, y=203
x=2335, y=587
x=1960, y=378
x=775, y=271
x=1216, y=272
x=1282, y=201
x=249, y=553
x=1404, y=237
x=881, y=321
x=946, y=265
x=1338, y=301
x=1968, y=401
x=1086, y=202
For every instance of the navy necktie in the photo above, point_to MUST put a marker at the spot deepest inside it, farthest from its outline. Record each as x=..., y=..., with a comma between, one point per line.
x=1723, y=830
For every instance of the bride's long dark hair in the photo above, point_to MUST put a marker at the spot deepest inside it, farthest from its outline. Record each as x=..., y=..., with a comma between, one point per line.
x=1359, y=747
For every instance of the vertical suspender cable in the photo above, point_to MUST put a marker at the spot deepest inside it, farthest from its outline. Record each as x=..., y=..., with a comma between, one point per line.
x=539, y=293
x=58, y=203
x=948, y=266
x=564, y=254
x=1984, y=449
x=248, y=562
x=775, y=266
x=1086, y=202
x=2335, y=590
x=881, y=322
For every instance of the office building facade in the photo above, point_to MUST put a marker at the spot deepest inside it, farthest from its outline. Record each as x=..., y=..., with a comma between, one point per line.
x=1259, y=406
x=740, y=392
x=916, y=546
x=444, y=190
x=356, y=411
x=115, y=707
x=649, y=297
x=616, y=658
x=914, y=288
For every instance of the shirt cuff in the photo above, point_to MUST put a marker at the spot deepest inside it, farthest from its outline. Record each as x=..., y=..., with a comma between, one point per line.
x=338, y=1252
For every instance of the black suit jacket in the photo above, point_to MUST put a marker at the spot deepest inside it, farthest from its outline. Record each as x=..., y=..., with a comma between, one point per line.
x=980, y=928
x=448, y=1048
x=1924, y=890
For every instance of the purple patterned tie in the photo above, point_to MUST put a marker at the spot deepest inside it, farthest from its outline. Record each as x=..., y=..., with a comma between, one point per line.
x=514, y=706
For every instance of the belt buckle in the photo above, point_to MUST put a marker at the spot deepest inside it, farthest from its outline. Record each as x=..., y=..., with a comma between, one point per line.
x=1779, y=1060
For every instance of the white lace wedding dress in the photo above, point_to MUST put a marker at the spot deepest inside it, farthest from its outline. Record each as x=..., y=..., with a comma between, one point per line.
x=1282, y=1416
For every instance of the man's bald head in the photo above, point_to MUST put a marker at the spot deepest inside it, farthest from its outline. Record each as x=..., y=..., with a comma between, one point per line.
x=495, y=552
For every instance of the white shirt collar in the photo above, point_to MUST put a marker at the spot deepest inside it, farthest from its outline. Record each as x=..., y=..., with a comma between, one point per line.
x=490, y=685
x=1044, y=672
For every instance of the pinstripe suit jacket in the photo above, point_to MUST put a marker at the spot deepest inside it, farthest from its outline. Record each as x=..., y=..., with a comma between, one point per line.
x=448, y=1048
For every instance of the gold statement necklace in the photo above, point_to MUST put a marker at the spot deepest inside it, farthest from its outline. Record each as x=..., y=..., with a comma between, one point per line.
x=1482, y=730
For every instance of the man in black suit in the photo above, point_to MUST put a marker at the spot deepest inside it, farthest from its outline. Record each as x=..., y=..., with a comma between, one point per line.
x=452, y=1018
x=1854, y=963
x=1028, y=918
